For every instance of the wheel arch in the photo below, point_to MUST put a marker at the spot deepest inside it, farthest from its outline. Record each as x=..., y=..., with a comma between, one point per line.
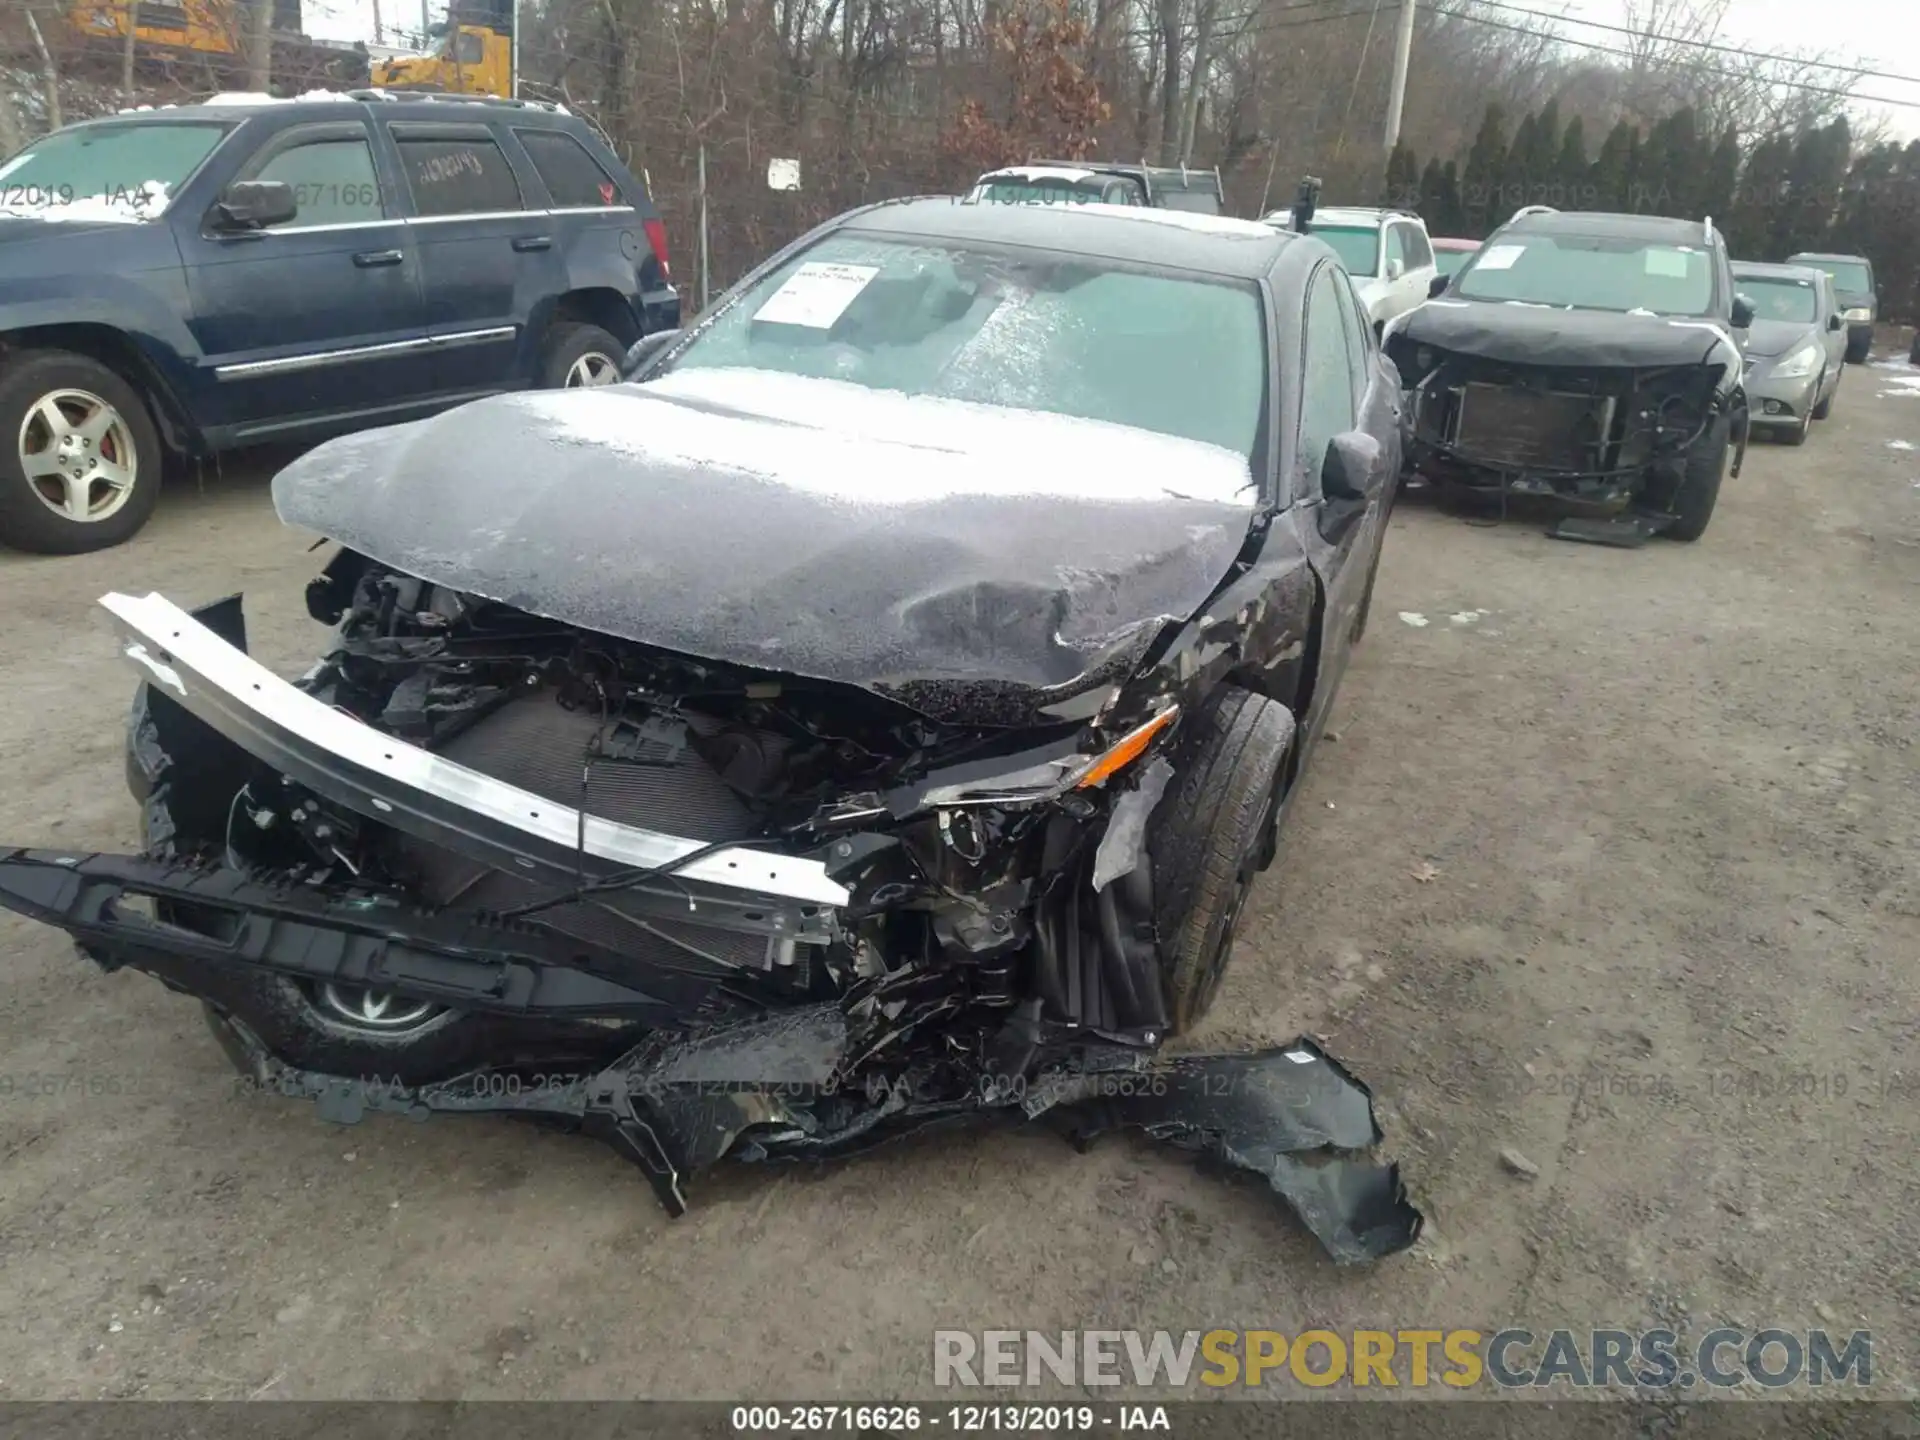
x=122, y=354
x=599, y=305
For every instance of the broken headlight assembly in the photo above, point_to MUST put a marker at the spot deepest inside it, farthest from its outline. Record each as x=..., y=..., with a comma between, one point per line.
x=1048, y=777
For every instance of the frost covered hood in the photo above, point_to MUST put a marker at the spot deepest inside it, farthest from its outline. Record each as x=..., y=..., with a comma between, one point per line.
x=1776, y=337
x=1521, y=334
x=953, y=555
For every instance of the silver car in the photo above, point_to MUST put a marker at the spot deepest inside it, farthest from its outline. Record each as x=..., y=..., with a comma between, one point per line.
x=1796, y=347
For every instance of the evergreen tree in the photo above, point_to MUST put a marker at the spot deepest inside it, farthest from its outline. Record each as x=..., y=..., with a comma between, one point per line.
x=1761, y=197
x=1722, y=180
x=1610, y=174
x=1430, y=194
x=1570, y=168
x=1483, y=172
x=1452, y=213
x=1403, y=178
x=1515, y=179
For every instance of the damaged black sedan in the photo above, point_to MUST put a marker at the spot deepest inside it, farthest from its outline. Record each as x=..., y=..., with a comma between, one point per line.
x=869, y=716
x=1590, y=360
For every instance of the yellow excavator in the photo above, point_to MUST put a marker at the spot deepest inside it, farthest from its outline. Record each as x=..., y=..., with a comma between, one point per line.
x=199, y=41
x=472, y=54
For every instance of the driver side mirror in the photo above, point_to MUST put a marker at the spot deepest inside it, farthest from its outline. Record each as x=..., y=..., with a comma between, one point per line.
x=1742, y=312
x=1347, y=483
x=254, y=205
x=1436, y=287
x=1835, y=321
x=644, y=350
x=1395, y=269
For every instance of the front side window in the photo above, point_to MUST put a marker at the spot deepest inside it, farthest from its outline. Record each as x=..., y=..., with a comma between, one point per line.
x=1326, y=383
x=1397, y=245
x=1419, y=253
x=463, y=176
x=1358, y=246
x=333, y=181
x=109, y=166
x=1592, y=272
x=1777, y=299
x=1062, y=335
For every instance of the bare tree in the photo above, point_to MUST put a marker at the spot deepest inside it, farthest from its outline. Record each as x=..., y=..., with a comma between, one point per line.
x=129, y=39
x=49, y=73
x=260, y=46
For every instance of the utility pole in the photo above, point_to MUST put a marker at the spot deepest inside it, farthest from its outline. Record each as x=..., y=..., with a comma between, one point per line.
x=1402, y=53
x=513, y=59
x=379, y=34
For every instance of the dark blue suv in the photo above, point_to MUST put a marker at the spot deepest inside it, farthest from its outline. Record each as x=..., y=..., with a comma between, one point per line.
x=181, y=281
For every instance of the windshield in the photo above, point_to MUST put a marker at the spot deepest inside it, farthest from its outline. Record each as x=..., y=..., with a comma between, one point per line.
x=1194, y=202
x=105, y=167
x=1448, y=262
x=1058, y=334
x=1852, y=276
x=1038, y=192
x=1592, y=272
x=1778, y=299
x=1357, y=246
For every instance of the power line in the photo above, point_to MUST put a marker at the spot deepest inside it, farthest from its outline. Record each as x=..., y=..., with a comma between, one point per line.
x=1696, y=44
x=1800, y=85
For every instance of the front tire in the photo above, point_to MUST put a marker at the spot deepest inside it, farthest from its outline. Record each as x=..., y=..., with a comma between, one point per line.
x=1211, y=842
x=579, y=356
x=80, y=459
x=1699, y=488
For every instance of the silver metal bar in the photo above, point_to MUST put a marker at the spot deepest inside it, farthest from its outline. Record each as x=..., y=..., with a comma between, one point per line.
x=443, y=802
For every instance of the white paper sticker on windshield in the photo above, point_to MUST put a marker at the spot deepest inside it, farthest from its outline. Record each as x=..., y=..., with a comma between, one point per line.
x=1672, y=263
x=816, y=295
x=1500, y=257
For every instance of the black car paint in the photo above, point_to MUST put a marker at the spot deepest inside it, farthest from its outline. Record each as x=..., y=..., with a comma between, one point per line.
x=170, y=301
x=1279, y=623
x=1453, y=337
x=1859, y=332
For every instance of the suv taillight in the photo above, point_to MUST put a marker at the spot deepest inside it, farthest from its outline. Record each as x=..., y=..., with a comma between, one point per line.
x=657, y=238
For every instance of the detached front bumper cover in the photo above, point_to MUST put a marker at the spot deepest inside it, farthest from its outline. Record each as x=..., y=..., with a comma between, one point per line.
x=781, y=1086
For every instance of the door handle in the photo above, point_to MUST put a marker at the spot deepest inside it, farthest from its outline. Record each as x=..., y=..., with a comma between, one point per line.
x=367, y=259
x=533, y=242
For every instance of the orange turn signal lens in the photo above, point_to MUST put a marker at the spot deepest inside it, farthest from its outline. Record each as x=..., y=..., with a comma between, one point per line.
x=1128, y=749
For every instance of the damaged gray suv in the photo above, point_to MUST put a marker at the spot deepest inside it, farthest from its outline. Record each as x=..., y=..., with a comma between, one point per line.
x=871, y=715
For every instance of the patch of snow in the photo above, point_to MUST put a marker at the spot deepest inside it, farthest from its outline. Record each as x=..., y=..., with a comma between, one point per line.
x=1468, y=617
x=1902, y=385
x=254, y=97
x=1036, y=173
x=1899, y=444
x=145, y=201
x=1183, y=220
x=829, y=437
x=1414, y=618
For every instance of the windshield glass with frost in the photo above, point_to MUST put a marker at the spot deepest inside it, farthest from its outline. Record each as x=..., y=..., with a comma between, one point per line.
x=1358, y=246
x=1849, y=276
x=105, y=167
x=1777, y=299
x=1061, y=335
x=1591, y=272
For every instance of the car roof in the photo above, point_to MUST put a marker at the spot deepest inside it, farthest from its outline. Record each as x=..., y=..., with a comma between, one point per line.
x=233, y=105
x=1761, y=269
x=1825, y=255
x=1610, y=223
x=1453, y=242
x=1177, y=239
x=1369, y=213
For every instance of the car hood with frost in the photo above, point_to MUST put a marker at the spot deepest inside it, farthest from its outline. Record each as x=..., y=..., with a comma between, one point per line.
x=970, y=560
x=1513, y=332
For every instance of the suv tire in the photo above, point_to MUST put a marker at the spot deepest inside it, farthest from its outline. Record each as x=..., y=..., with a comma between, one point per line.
x=74, y=436
x=578, y=355
x=1699, y=488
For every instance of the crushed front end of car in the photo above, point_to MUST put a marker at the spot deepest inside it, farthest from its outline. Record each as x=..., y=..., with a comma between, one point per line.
x=1610, y=419
x=480, y=859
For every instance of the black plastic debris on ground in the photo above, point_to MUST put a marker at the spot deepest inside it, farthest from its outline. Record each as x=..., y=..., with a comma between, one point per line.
x=772, y=1089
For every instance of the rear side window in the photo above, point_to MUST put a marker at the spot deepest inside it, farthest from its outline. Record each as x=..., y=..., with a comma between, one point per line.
x=457, y=176
x=572, y=176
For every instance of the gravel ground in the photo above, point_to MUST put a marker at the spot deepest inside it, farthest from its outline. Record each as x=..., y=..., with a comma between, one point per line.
x=1612, y=864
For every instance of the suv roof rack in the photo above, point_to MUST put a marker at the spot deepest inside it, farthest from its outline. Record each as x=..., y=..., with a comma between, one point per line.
x=457, y=98
x=1526, y=210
